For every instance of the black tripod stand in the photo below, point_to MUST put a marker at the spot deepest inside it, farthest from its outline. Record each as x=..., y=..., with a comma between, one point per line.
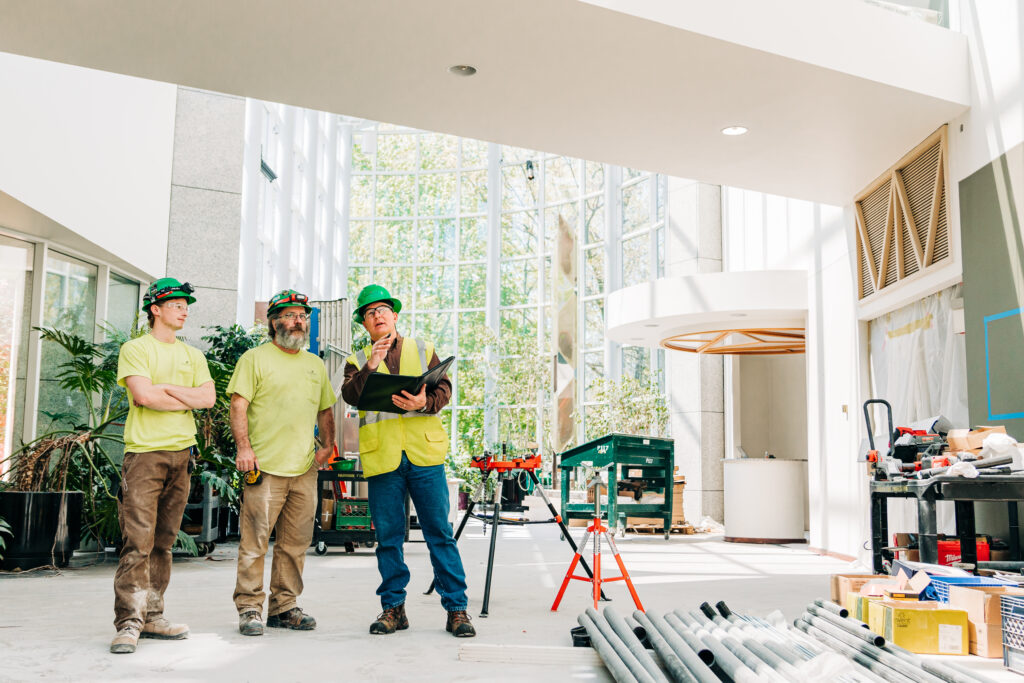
x=506, y=472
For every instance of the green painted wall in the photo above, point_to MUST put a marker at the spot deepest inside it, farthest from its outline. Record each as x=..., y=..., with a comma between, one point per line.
x=991, y=207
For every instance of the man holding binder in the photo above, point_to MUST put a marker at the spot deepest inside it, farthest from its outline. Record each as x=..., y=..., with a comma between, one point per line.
x=403, y=452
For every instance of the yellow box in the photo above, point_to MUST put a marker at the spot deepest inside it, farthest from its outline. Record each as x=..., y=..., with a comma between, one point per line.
x=859, y=606
x=927, y=628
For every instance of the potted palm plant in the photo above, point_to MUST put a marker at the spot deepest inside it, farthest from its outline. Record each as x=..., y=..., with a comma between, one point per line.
x=65, y=480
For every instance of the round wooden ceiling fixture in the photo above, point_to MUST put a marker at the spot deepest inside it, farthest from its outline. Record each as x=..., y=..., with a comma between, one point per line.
x=756, y=341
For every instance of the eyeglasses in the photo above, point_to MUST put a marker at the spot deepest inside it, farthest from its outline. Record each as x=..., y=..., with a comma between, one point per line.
x=175, y=305
x=303, y=317
x=376, y=311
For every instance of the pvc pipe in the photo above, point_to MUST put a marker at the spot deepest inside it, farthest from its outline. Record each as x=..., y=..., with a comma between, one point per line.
x=847, y=625
x=631, y=641
x=779, y=665
x=832, y=607
x=627, y=657
x=901, y=665
x=875, y=668
x=948, y=671
x=682, y=663
x=691, y=639
x=616, y=667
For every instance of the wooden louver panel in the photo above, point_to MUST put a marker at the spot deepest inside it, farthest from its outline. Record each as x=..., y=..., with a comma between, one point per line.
x=902, y=221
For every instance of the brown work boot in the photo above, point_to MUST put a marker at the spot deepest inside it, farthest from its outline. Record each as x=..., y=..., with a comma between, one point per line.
x=164, y=630
x=390, y=620
x=125, y=641
x=250, y=623
x=458, y=624
x=294, y=619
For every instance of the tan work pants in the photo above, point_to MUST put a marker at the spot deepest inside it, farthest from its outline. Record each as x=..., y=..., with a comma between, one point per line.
x=286, y=504
x=154, y=490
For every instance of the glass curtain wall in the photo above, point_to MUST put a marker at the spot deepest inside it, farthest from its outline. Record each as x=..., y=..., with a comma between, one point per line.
x=420, y=222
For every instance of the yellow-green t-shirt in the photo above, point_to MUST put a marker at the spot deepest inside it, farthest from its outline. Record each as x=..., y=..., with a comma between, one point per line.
x=285, y=392
x=178, y=363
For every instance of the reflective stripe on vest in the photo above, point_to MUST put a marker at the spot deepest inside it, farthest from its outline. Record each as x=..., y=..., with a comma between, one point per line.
x=385, y=436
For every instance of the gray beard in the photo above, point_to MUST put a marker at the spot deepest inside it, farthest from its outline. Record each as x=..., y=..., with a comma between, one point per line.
x=291, y=340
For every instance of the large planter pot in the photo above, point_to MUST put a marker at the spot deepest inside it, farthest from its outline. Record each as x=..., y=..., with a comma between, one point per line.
x=47, y=527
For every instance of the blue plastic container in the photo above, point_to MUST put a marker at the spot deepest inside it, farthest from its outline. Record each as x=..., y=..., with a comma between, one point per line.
x=939, y=588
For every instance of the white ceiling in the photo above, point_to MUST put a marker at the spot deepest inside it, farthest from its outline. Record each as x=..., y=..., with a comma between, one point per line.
x=556, y=75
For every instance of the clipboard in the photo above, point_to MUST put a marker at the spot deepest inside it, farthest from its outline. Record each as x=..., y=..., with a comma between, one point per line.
x=381, y=386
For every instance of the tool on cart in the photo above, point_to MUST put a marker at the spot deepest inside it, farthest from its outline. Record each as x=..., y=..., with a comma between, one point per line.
x=906, y=448
x=509, y=472
x=598, y=530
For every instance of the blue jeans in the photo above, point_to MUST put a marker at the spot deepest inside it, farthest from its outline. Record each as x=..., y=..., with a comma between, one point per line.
x=428, y=488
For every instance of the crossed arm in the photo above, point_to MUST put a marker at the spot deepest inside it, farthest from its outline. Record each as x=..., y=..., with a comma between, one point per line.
x=170, y=396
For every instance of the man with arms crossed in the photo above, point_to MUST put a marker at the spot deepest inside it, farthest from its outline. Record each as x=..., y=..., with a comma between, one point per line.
x=403, y=452
x=278, y=392
x=166, y=379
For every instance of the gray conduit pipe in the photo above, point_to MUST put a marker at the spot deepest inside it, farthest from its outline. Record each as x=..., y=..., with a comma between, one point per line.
x=832, y=607
x=677, y=667
x=761, y=635
x=948, y=671
x=874, y=668
x=612, y=661
x=733, y=666
x=847, y=625
x=901, y=665
x=684, y=633
x=629, y=638
x=708, y=621
x=627, y=657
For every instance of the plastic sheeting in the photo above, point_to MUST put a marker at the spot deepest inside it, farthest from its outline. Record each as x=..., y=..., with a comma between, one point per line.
x=919, y=365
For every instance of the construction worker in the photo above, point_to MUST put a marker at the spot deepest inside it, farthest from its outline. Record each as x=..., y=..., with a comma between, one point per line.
x=402, y=453
x=279, y=391
x=166, y=380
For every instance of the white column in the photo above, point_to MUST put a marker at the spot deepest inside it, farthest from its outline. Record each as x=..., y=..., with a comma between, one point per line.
x=491, y=317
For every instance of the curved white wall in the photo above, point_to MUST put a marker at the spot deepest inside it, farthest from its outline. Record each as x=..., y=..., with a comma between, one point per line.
x=93, y=152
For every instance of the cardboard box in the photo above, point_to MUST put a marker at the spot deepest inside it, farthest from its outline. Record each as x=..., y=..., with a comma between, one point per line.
x=326, y=513
x=654, y=498
x=927, y=628
x=845, y=583
x=985, y=621
x=971, y=439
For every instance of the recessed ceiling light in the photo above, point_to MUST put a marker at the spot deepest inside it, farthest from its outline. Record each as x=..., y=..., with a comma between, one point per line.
x=738, y=315
x=462, y=70
x=650, y=324
x=734, y=130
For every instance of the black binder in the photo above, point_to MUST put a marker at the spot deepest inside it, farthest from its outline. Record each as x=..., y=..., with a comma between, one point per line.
x=380, y=387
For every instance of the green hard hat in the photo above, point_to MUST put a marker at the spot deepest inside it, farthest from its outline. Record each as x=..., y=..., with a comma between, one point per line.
x=165, y=289
x=371, y=294
x=286, y=298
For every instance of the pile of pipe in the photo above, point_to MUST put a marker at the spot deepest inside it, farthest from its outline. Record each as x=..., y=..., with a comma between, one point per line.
x=709, y=646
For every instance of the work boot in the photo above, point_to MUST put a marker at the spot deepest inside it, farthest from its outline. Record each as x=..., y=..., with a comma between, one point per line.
x=390, y=620
x=164, y=630
x=458, y=624
x=250, y=623
x=125, y=640
x=294, y=619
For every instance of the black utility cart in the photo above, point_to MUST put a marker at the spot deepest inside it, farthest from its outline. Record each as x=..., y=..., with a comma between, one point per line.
x=637, y=464
x=352, y=525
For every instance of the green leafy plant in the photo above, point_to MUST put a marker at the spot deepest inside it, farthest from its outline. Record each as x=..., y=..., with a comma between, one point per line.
x=5, y=530
x=77, y=455
x=630, y=405
x=215, y=442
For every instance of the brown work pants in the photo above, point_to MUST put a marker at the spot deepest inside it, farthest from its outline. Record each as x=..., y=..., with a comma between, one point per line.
x=154, y=490
x=286, y=504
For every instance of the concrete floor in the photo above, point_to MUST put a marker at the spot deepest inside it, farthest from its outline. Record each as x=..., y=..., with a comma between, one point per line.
x=59, y=626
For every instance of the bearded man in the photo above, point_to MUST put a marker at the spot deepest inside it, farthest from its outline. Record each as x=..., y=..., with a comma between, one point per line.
x=279, y=391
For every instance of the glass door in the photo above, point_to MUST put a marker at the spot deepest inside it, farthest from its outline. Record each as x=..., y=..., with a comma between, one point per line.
x=16, y=259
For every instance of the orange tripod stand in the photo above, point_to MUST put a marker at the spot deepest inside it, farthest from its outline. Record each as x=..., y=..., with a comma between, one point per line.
x=597, y=530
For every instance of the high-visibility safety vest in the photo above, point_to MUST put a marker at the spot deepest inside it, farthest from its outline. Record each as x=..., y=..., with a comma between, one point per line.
x=383, y=436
